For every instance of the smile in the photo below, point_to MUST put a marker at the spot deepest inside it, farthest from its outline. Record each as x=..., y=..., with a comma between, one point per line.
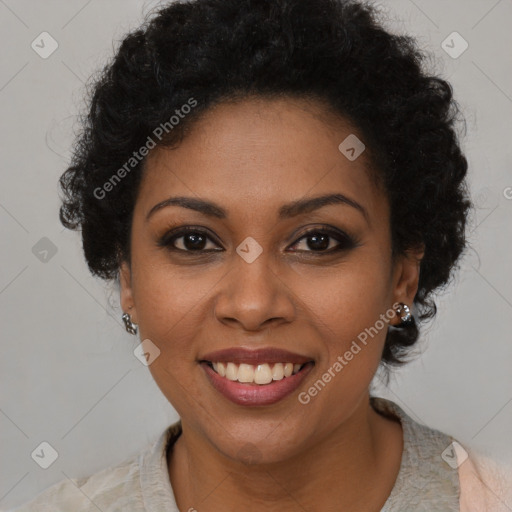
x=261, y=374
x=255, y=377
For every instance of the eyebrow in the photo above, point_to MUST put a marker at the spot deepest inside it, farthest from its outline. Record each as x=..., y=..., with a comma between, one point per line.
x=286, y=211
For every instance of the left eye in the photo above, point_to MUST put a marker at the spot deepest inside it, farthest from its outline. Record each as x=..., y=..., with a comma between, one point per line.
x=320, y=241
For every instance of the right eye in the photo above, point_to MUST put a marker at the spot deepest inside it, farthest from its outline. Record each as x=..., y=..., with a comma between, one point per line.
x=187, y=240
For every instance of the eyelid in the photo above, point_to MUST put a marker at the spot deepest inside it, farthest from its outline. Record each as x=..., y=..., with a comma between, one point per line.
x=178, y=231
x=336, y=233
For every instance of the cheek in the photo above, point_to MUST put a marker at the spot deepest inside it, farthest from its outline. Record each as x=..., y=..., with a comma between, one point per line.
x=347, y=313
x=171, y=307
x=345, y=301
x=357, y=315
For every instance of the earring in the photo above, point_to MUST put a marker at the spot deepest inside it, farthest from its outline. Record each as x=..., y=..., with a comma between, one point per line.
x=406, y=319
x=129, y=325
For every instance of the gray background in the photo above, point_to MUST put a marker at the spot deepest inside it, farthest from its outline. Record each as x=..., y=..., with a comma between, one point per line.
x=68, y=373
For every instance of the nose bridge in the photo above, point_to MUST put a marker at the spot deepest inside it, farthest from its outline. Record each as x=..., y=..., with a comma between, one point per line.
x=252, y=292
x=253, y=272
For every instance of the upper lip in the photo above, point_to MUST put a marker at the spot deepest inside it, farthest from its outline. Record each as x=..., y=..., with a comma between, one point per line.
x=239, y=355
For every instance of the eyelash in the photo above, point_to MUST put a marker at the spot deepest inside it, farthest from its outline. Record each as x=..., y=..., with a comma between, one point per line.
x=346, y=242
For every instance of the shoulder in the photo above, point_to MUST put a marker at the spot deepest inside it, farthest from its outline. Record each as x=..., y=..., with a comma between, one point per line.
x=485, y=485
x=439, y=470
x=129, y=485
x=132, y=484
x=113, y=488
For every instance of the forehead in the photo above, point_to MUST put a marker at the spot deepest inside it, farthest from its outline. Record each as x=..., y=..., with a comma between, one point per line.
x=254, y=155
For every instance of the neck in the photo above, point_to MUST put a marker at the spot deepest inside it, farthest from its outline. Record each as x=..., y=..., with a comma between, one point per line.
x=353, y=468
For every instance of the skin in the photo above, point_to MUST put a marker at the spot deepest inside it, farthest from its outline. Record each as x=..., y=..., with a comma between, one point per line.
x=250, y=157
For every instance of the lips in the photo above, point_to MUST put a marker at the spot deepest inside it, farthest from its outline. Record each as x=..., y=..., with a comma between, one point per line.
x=259, y=356
x=253, y=394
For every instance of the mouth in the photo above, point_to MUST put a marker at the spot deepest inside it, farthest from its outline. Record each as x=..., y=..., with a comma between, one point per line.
x=255, y=377
x=261, y=374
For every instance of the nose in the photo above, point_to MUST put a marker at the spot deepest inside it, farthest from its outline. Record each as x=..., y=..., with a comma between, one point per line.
x=254, y=297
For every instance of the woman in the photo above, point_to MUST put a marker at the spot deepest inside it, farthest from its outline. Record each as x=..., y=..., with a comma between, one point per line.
x=278, y=188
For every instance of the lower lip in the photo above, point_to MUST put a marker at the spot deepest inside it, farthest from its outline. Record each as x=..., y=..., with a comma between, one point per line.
x=256, y=394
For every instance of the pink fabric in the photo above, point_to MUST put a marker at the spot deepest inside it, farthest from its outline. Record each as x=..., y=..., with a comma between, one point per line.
x=485, y=486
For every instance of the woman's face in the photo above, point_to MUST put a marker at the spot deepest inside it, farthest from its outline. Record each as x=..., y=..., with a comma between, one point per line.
x=249, y=276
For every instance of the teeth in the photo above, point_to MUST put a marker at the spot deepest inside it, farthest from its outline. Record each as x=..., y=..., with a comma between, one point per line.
x=245, y=373
x=277, y=372
x=263, y=374
x=231, y=371
x=221, y=369
x=256, y=374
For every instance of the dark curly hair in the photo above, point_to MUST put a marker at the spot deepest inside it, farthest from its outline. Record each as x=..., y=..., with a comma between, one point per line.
x=333, y=51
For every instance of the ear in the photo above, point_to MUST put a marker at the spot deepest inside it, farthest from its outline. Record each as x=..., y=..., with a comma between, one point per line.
x=406, y=277
x=126, y=295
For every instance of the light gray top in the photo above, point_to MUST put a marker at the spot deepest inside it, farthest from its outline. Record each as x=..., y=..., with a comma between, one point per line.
x=425, y=481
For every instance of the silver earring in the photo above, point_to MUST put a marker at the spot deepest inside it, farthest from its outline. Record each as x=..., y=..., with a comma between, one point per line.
x=406, y=319
x=129, y=325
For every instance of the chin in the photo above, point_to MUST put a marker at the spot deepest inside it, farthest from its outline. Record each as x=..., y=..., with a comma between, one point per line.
x=253, y=446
